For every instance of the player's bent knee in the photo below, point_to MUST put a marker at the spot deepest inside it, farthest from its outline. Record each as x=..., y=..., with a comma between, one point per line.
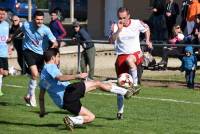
x=97, y=83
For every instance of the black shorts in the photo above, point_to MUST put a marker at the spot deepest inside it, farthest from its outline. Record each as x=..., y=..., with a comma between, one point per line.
x=32, y=58
x=4, y=63
x=72, y=96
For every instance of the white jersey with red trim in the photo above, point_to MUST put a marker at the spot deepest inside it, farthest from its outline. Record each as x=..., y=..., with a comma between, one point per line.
x=128, y=40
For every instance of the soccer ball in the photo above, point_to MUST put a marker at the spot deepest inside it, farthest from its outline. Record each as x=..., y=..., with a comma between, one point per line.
x=125, y=80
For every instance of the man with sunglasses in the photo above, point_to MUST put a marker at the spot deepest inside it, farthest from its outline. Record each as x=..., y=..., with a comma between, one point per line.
x=15, y=31
x=125, y=35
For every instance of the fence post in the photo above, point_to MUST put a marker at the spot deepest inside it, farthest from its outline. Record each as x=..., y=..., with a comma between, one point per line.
x=79, y=58
x=29, y=10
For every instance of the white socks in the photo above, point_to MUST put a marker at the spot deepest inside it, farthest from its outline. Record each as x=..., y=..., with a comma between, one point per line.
x=77, y=120
x=133, y=73
x=31, y=87
x=118, y=90
x=120, y=103
x=1, y=77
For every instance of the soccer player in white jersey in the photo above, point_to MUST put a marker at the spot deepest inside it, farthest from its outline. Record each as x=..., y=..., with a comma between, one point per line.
x=4, y=26
x=66, y=95
x=125, y=35
x=36, y=37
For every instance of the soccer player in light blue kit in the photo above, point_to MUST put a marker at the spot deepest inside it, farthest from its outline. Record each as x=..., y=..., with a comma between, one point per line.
x=35, y=43
x=67, y=96
x=4, y=26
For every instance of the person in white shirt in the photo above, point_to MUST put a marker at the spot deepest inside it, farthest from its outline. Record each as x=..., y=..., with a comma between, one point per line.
x=125, y=35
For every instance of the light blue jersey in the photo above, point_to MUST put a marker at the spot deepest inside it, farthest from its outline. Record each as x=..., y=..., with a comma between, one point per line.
x=4, y=33
x=36, y=39
x=54, y=87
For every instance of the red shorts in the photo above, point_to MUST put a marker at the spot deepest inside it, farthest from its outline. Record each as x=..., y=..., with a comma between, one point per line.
x=122, y=67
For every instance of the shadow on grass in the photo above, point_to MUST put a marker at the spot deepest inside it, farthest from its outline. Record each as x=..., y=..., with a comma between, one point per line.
x=54, y=112
x=4, y=103
x=29, y=124
x=106, y=118
x=10, y=104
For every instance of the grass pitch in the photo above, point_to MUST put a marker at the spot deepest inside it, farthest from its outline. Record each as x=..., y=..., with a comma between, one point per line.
x=153, y=111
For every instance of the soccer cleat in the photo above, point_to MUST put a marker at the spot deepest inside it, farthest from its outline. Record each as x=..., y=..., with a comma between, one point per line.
x=136, y=90
x=68, y=123
x=131, y=92
x=119, y=116
x=33, y=101
x=1, y=93
x=128, y=94
x=27, y=100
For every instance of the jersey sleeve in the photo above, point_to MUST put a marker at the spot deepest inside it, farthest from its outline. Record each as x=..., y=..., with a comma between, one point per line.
x=53, y=71
x=143, y=27
x=50, y=35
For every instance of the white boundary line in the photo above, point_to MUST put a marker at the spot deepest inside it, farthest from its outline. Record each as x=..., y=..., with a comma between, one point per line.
x=144, y=98
x=151, y=98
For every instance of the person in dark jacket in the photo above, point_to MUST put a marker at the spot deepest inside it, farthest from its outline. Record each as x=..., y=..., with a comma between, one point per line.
x=17, y=42
x=57, y=28
x=82, y=37
x=157, y=21
x=171, y=13
x=184, y=9
x=189, y=63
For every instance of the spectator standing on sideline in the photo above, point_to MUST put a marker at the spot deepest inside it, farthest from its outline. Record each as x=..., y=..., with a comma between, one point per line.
x=193, y=10
x=157, y=21
x=189, y=64
x=4, y=34
x=184, y=9
x=171, y=13
x=82, y=37
x=66, y=95
x=57, y=28
x=17, y=42
x=36, y=41
x=125, y=35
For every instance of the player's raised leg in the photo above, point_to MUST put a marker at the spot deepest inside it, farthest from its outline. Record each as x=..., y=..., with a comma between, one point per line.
x=132, y=69
x=109, y=87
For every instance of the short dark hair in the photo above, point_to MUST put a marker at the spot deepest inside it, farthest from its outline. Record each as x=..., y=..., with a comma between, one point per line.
x=38, y=13
x=2, y=9
x=50, y=53
x=54, y=11
x=123, y=9
x=76, y=23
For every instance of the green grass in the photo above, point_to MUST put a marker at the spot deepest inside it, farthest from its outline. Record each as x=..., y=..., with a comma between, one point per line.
x=170, y=76
x=144, y=114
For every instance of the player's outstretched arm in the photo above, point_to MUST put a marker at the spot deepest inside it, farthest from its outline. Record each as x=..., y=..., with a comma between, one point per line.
x=147, y=36
x=41, y=103
x=54, y=44
x=71, y=77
